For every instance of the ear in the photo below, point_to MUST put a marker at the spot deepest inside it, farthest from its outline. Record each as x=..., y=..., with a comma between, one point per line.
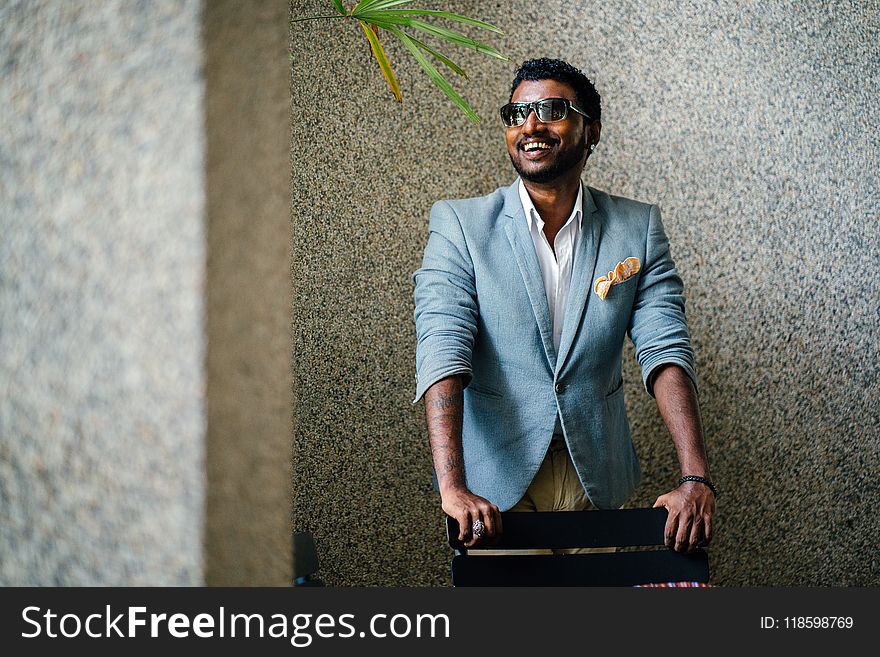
x=595, y=131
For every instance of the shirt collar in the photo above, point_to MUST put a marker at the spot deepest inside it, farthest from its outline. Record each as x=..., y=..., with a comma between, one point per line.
x=532, y=216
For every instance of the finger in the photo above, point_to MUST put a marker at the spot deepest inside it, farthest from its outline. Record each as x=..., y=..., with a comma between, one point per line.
x=670, y=530
x=495, y=516
x=498, y=525
x=472, y=540
x=464, y=525
x=707, y=528
x=489, y=522
x=696, y=536
x=492, y=519
x=681, y=537
x=474, y=517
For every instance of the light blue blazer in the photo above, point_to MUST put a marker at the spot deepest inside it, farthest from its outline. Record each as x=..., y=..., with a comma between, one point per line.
x=481, y=310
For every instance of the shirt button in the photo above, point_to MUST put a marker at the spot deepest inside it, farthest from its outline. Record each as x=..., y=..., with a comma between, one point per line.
x=560, y=387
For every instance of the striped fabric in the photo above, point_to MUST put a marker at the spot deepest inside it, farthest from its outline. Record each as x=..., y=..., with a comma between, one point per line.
x=668, y=585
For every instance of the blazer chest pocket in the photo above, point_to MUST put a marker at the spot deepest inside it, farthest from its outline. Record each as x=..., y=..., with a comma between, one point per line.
x=623, y=291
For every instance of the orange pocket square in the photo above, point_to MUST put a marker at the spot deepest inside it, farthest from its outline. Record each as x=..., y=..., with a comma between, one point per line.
x=621, y=272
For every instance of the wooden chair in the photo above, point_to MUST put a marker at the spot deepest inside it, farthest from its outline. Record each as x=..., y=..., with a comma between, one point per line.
x=577, y=529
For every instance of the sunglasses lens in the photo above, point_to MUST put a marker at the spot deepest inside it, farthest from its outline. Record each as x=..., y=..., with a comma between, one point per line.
x=547, y=110
x=514, y=114
x=552, y=109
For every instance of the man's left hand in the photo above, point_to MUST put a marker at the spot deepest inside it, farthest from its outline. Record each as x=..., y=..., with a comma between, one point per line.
x=689, y=525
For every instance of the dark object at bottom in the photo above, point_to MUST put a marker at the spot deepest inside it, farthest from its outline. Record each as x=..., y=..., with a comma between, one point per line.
x=577, y=529
x=305, y=560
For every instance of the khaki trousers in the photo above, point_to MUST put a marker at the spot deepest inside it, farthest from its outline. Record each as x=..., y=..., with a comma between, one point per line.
x=556, y=487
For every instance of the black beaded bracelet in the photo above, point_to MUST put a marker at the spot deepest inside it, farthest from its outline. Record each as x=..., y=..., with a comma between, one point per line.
x=701, y=480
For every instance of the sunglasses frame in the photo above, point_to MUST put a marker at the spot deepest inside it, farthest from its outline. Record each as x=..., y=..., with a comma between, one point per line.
x=532, y=107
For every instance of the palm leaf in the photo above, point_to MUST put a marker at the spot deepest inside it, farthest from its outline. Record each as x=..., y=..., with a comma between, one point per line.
x=385, y=19
x=457, y=38
x=382, y=58
x=370, y=5
x=442, y=14
x=432, y=72
x=392, y=16
x=385, y=22
x=455, y=67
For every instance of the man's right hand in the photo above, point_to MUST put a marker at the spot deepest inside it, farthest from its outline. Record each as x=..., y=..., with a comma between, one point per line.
x=444, y=406
x=467, y=508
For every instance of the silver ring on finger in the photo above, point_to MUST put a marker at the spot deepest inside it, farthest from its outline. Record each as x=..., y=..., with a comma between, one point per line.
x=478, y=528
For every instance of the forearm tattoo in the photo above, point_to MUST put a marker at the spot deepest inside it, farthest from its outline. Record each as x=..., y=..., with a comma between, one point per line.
x=443, y=401
x=444, y=407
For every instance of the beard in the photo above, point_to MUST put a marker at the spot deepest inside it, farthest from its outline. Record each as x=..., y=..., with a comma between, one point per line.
x=564, y=162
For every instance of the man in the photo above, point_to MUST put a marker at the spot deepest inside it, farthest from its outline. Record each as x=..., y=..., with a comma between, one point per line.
x=522, y=304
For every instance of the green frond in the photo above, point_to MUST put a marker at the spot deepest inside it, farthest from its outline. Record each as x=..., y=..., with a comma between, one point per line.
x=370, y=5
x=455, y=67
x=382, y=58
x=435, y=76
x=457, y=38
x=392, y=15
x=448, y=16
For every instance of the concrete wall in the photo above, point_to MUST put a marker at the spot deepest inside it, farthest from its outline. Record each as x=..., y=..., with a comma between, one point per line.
x=101, y=293
x=751, y=124
x=145, y=383
x=247, y=535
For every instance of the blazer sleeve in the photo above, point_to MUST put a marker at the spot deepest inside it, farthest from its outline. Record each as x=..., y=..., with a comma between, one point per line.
x=657, y=326
x=445, y=303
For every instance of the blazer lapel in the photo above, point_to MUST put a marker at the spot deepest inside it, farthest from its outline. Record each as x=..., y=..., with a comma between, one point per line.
x=582, y=275
x=527, y=260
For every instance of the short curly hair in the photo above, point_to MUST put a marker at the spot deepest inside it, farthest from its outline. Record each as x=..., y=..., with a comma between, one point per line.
x=556, y=69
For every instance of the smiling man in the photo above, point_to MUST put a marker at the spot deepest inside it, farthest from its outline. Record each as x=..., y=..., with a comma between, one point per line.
x=522, y=305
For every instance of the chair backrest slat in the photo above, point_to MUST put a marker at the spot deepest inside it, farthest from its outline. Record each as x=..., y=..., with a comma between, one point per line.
x=577, y=529
x=571, y=529
x=616, y=569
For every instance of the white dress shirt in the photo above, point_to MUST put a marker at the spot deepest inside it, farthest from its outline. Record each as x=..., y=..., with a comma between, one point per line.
x=557, y=262
x=555, y=267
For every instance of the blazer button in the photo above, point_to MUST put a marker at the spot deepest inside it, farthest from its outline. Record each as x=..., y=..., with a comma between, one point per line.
x=560, y=388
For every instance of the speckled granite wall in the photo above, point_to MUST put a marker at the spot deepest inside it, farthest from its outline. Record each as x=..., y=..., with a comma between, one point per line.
x=247, y=534
x=101, y=284
x=753, y=125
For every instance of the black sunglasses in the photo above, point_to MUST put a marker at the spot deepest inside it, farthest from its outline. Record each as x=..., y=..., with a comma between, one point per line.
x=547, y=110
